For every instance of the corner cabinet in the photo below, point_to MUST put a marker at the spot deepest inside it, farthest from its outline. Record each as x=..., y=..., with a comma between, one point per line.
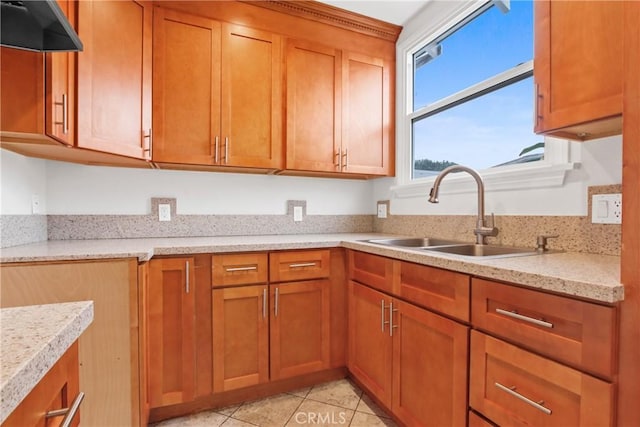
x=114, y=77
x=217, y=93
x=578, y=68
x=338, y=111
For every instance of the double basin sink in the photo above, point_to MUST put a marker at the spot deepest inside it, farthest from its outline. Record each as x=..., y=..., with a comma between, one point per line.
x=454, y=247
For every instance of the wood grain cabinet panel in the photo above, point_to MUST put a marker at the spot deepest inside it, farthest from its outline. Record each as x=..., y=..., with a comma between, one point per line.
x=171, y=339
x=578, y=333
x=514, y=387
x=288, y=266
x=578, y=68
x=56, y=390
x=40, y=90
x=372, y=270
x=217, y=93
x=114, y=77
x=239, y=269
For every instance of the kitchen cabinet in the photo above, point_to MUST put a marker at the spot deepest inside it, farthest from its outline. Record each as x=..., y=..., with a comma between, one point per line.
x=40, y=88
x=578, y=68
x=411, y=359
x=114, y=77
x=338, y=110
x=270, y=331
x=109, y=348
x=57, y=390
x=172, y=336
x=217, y=93
x=512, y=386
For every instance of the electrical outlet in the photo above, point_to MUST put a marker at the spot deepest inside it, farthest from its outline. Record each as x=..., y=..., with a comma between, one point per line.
x=164, y=212
x=297, y=213
x=382, y=210
x=606, y=209
x=35, y=204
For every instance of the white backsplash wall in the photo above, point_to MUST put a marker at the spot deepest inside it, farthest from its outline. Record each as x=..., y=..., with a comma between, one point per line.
x=600, y=163
x=20, y=178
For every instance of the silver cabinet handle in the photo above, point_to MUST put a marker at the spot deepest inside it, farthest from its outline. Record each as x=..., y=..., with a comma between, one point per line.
x=302, y=264
x=232, y=269
x=338, y=162
x=518, y=316
x=512, y=391
x=69, y=413
x=187, y=284
x=226, y=150
x=215, y=149
x=382, y=321
x=149, y=138
x=264, y=303
x=345, y=155
x=391, y=325
x=276, y=302
x=65, y=114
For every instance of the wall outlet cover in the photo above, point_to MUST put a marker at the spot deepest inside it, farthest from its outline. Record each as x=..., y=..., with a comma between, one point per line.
x=382, y=210
x=164, y=212
x=606, y=209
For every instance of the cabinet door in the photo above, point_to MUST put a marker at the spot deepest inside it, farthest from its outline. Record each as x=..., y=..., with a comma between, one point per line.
x=60, y=75
x=171, y=339
x=429, y=367
x=240, y=337
x=300, y=326
x=251, y=98
x=114, y=77
x=367, y=125
x=314, y=107
x=578, y=66
x=186, y=88
x=370, y=344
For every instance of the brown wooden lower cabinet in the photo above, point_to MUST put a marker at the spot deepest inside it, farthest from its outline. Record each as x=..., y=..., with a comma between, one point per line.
x=412, y=360
x=513, y=387
x=57, y=390
x=269, y=332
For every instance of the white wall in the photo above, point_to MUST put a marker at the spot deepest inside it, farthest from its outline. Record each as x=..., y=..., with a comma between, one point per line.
x=21, y=178
x=78, y=189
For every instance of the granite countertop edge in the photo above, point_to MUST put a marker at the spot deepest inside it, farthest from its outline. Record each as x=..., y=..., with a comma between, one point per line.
x=589, y=276
x=30, y=350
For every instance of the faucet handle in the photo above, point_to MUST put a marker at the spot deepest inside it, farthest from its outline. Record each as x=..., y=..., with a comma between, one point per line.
x=541, y=241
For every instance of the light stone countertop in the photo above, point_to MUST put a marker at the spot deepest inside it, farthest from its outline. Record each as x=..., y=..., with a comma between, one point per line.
x=589, y=276
x=32, y=340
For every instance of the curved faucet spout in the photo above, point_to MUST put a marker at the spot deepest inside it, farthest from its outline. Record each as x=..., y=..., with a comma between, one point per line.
x=481, y=231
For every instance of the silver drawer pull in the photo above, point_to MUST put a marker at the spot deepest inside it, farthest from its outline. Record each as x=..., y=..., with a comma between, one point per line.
x=264, y=303
x=512, y=391
x=515, y=315
x=302, y=264
x=69, y=413
x=232, y=269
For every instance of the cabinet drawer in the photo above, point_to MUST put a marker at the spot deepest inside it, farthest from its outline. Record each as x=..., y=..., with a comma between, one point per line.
x=239, y=269
x=578, y=333
x=514, y=387
x=298, y=265
x=444, y=291
x=371, y=270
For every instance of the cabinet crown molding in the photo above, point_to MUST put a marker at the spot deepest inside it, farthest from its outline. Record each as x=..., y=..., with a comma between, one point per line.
x=320, y=12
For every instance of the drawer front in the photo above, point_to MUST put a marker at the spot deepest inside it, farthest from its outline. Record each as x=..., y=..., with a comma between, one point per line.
x=371, y=270
x=299, y=265
x=578, y=333
x=514, y=387
x=444, y=291
x=239, y=269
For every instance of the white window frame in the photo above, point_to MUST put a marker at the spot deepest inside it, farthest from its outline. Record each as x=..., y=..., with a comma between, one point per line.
x=549, y=172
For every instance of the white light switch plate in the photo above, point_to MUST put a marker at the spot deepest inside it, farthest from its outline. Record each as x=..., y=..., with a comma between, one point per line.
x=164, y=212
x=606, y=209
x=297, y=213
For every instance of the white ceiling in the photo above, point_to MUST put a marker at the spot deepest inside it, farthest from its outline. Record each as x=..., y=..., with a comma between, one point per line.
x=394, y=11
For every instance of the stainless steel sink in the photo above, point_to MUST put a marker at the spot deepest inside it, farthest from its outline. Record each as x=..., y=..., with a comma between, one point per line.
x=493, y=251
x=415, y=242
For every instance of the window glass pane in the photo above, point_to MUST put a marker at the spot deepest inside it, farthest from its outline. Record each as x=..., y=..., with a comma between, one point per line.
x=485, y=132
x=491, y=43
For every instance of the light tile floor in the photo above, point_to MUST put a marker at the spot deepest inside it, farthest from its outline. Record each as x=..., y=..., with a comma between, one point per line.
x=338, y=403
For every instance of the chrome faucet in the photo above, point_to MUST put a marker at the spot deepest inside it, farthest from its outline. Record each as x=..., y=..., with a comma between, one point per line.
x=481, y=231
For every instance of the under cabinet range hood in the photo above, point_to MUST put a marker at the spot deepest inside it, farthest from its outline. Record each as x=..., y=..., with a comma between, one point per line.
x=38, y=25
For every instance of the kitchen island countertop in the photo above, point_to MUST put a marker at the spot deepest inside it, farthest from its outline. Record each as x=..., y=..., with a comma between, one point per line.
x=590, y=276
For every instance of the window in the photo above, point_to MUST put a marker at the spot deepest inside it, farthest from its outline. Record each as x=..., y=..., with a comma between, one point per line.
x=470, y=92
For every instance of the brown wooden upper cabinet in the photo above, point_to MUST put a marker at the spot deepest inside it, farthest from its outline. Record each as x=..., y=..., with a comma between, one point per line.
x=217, y=93
x=578, y=68
x=338, y=111
x=114, y=77
x=40, y=90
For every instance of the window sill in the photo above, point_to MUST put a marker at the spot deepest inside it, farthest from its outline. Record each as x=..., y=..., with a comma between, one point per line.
x=538, y=175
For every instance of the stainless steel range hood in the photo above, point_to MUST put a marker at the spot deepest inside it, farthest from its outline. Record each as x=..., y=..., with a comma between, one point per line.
x=38, y=25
